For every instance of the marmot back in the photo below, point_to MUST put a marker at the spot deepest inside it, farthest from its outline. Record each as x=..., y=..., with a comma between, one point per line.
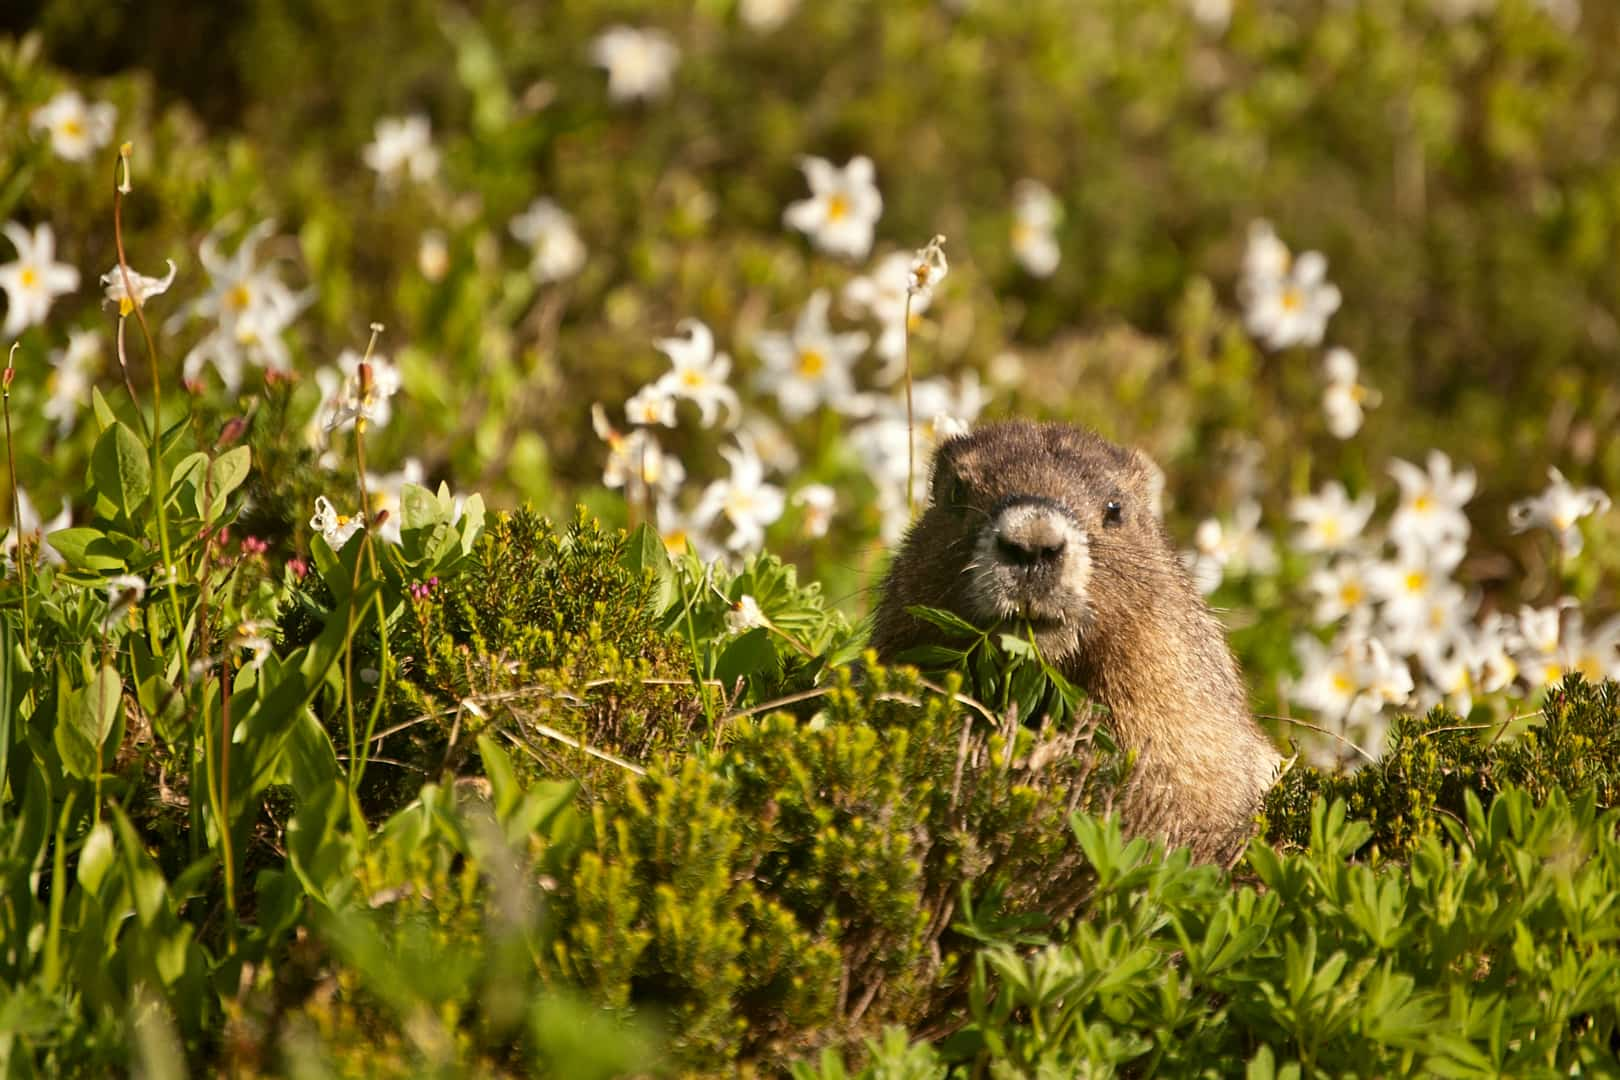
x=1055, y=526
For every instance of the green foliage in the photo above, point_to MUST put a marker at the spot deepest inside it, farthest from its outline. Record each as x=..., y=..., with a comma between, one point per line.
x=1432, y=764
x=509, y=798
x=801, y=885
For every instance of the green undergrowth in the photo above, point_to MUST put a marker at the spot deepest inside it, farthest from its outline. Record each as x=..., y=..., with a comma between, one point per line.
x=584, y=821
x=1433, y=763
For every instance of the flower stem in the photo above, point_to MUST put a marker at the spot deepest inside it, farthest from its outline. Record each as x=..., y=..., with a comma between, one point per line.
x=160, y=487
x=24, y=564
x=911, y=426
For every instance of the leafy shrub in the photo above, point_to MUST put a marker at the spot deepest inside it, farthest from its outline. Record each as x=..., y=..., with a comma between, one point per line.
x=1433, y=763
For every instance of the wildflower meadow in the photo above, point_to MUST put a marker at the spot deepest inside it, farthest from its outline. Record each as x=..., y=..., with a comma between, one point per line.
x=453, y=449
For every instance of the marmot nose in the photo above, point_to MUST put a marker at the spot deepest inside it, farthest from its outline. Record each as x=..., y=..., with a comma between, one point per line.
x=1036, y=540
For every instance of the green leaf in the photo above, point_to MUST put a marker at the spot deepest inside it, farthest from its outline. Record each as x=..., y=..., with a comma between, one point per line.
x=750, y=654
x=105, y=417
x=88, y=716
x=418, y=508
x=121, y=468
x=644, y=552
x=933, y=656
x=225, y=475
x=951, y=623
x=85, y=548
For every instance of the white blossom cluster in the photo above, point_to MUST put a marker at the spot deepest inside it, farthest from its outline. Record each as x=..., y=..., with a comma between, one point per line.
x=1396, y=627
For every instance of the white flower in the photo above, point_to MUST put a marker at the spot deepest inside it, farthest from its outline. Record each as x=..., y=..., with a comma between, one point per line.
x=639, y=62
x=112, y=282
x=1240, y=548
x=928, y=268
x=766, y=15
x=744, y=499
x=403, y=147
x=881, y=441
x=1035, y=218
x=433, y=255
x=549, y=231
x=73, y=372
x=882, y=295
x=1560, y=509
x=1492, y=651
x=744, y=615
x=1293, y=309
x=1344, y=397
x=35, y=279
x=1430, y=514
x=818, y=501
x=1349, y=683
x=679, y=530
x=1342, y=590
x=635, y=460
x=1554, y=641
x=1420, y=606
x=336, y=528
x=35, y=529
x=843, y=207
x=347, y=399
x=1212, y=15
x=251, y=307
x=812, y=365
x=652, y=404
x=1266, y=258
x=1332, y=522
x=77, y=130
x=699, y=373
x=253, y=637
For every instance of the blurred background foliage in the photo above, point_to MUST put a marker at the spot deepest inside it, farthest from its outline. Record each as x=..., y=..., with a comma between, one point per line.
x=1456, y=163
x=1458, y=173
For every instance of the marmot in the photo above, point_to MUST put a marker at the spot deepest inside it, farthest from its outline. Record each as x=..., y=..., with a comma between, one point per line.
x=1055, y=526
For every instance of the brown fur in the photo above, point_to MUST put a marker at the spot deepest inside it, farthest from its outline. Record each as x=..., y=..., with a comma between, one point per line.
x=1116, y=612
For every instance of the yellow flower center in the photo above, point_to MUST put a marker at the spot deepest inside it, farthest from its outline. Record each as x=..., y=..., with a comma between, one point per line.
x=811, y=363
x=1342, y=683
x=692, y=378
x=1552, y=671
x=72, y=128
x=1022, y=234
x=1416, y=580
x=1292, y=300
x=1350, y=594
x=29, y=277
x=837, y=208
x=239, y=297
x=1328, y=529
x=675, y=542
x=1423, y=503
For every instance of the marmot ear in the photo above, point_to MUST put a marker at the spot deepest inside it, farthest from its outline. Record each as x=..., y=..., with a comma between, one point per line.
x=1153, y=482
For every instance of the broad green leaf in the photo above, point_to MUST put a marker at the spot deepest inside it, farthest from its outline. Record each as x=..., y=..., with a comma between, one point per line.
x=87, y=716
x=752, y=653
x=84, y=548
x=418, y=508
x=226, y=474
x=121, y=468
x=96, y=857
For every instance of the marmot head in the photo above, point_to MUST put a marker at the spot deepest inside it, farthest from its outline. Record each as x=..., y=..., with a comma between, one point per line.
x=1047, y=524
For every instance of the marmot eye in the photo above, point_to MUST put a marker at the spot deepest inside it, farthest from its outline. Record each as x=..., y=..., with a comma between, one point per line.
x=1113, y=512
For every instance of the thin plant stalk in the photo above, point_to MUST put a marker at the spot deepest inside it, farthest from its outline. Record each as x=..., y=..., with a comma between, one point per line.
x=911, y=426
x=159, y=481
x=16, y=499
